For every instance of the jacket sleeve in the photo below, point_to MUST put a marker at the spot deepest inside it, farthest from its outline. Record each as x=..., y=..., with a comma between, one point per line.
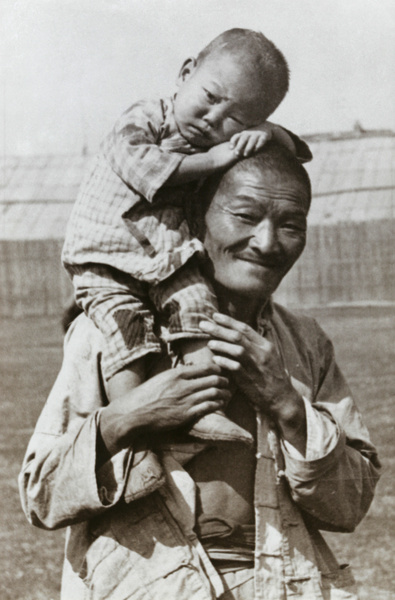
x=133, y=150
x=336, y=489
x=59, y=481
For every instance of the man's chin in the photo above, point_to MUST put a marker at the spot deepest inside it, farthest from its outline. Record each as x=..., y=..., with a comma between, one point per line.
x=251, y=290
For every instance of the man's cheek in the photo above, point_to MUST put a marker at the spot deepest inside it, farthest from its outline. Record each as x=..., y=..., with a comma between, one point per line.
x=295, y=252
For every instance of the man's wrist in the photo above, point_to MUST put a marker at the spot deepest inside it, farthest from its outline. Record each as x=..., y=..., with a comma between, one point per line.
x=288, y=408
x=290, y=416
x=116, y=429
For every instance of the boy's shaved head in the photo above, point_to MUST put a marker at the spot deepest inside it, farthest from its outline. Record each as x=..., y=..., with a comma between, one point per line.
x=263, y=64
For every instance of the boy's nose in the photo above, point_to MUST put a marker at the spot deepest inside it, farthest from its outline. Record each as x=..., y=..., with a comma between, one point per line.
x=214, y=116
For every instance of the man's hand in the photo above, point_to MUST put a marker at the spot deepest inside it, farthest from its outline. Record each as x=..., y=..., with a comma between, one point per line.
x=167, y=401
x=253, y=360
x=258, y=370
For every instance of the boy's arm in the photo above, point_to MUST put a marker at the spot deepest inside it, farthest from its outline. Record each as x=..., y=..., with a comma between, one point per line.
x=241, y=144
x=251, y=140
x=133, y=152
x=195, y=166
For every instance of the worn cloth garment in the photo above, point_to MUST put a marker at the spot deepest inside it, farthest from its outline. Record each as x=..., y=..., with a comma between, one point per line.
x=131, y=522
x=129, y=244
x=126, y=236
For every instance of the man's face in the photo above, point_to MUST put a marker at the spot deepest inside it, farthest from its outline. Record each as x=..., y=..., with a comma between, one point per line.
x=215, y=100
x=255, y=231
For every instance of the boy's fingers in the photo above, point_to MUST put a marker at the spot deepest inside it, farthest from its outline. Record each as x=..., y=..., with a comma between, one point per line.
x=251, y=145
x=261, y=142
x=234, y=140
x=242, y=141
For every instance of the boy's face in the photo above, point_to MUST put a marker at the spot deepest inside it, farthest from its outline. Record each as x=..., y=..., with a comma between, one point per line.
x=216, y=99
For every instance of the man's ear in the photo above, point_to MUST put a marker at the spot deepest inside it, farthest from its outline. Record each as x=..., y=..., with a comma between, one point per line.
x=186, y=70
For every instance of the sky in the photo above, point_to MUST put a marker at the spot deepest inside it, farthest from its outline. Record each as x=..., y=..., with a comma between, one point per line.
x=69, y=68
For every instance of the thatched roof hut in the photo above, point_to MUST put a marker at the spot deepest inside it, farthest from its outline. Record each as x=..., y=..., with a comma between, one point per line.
x=37, y=195
x=348, y=258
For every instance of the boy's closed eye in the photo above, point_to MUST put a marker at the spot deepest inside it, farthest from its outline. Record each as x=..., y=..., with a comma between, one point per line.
x=210, y=96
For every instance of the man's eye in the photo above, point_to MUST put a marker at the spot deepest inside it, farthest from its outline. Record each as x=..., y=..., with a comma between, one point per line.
x=294, y=227
x=248, y=217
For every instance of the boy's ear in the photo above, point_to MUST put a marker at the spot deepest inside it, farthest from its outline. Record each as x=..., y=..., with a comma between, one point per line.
x=186, y=70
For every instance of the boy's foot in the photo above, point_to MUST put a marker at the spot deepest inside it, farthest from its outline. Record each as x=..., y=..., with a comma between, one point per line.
x=218, y=427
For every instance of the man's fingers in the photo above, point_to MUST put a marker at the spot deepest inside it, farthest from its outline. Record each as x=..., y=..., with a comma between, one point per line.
x=227, y=333
x=203, y=408
x=227, y=363
x=197, y=371
x=211, y=382
x=232, y=350
x=228, y=321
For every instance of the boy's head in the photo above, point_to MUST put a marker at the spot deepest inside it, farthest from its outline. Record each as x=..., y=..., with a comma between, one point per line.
x=235, y=83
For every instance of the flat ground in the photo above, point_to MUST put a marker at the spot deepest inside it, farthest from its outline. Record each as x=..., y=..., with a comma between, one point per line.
x=30, y=355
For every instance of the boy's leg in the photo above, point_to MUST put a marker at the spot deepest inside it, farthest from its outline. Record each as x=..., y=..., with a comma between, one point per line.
x=128, y=378
x=186, y=298
x=119, y=306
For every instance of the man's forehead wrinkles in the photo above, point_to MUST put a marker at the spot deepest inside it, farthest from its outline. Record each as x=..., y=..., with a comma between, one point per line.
x=259, y=195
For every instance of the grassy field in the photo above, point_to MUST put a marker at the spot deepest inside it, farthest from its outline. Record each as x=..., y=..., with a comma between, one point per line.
x=30, y=354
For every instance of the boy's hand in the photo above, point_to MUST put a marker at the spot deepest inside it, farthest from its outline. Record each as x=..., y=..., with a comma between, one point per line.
x=251, y=140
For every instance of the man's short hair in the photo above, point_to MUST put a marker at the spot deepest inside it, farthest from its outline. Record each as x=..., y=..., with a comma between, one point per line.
x=279, y=160
x=273, y=157
x=260, y=58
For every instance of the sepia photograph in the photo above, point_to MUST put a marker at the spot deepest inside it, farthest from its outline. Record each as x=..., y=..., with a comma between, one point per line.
x=197, y=299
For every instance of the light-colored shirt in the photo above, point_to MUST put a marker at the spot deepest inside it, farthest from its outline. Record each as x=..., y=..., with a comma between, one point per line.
x=131, y=531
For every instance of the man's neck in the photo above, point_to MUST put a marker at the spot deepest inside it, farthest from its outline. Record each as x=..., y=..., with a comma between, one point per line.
x=240, y=307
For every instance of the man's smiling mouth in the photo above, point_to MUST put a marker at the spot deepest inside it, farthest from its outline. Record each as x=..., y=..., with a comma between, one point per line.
x=261, y=262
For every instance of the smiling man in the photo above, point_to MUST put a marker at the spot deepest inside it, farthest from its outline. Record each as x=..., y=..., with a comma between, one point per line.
x=155, y=513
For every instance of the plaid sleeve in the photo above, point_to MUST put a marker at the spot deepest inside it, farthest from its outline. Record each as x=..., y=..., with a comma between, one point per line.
x=186, y=298
x=133, y=152
x=116, y=304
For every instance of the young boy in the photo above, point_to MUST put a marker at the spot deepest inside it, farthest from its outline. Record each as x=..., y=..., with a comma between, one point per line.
x=128, y=246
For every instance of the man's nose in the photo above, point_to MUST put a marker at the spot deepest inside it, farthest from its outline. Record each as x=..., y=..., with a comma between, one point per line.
x=265, y=238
